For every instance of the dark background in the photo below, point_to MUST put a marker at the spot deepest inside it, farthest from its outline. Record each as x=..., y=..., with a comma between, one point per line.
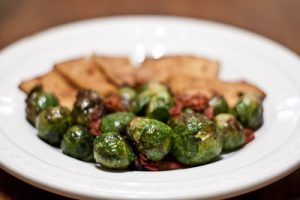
x=276, y=19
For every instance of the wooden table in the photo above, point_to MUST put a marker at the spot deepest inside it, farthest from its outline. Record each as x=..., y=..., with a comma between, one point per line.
x=276, y=19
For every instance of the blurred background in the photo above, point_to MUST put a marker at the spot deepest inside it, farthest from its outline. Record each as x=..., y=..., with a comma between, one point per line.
x=277, y=19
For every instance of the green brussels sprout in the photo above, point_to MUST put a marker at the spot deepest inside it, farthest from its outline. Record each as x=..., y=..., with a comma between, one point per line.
x=158, y=108
x=37, y=101
x=219, y=105
x=249, y=111
x=231, y=130
x=195, y=139
x=88, y=109
x=112, y=151
x=77, y=142
x=153, y=100
x=127, y=94
x=151, y=137
x=116, y=122
x=52, y=123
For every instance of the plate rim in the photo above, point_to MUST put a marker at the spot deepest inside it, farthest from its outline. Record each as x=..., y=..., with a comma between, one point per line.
x=53, y=189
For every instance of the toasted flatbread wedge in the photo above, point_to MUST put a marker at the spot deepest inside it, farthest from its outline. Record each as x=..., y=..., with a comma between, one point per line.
x=188, y=66
x=210, y=87
x=55, y=83
x=85, y=74
x=117, y=69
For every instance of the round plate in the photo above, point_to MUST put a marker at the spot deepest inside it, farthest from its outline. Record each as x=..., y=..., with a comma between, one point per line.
x=243, y=55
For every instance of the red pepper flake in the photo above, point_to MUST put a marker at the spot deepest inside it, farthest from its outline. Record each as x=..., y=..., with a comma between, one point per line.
x=249, y=133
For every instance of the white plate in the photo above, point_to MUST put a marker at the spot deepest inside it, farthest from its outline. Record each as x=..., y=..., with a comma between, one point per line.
x=273, y=154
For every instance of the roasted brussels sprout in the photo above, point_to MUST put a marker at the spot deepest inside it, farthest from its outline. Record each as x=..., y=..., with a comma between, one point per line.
x=158, y=108
x=127, y=94
x=52, y=123
x=116, y=122
x=88, y=109
x=37, y=101
x=153, y=100
x=195, y=139
x=219, y=105
x=231, y=130
x=112, y=151
x=151, y=137
x=249, y=111
x=77, y=142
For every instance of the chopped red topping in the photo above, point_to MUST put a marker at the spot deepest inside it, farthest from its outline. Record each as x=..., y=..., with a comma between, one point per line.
x=209, y=112
x=113, y=103
x=95, y=118
x=95, y=128
x=176, y=110
x=197, y=102
x=249, y=133
x=158, y=165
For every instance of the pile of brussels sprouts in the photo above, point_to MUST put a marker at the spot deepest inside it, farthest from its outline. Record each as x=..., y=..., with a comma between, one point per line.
x=117, y=140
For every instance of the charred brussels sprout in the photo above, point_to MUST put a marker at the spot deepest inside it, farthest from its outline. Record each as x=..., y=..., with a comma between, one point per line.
x=153, y=100
x=219, y=105
x=78, y=143
x=37, y=101
x=52, y=123
x=112, y=151
x=116, y=122
x=151, y=137
x=127, y=94
x=88, y=109
x=231, y=130
x=195, y=139
x=249, y=111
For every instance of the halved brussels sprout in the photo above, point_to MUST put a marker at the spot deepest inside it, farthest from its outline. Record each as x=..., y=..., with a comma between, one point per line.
x=231, y=130
x=77, y=142
x=249, y=111
x=116, y=122
x=195, y=139
x=151, y=137
x=37, y=101
x=52, y=123
x=112, y=151
x=153, y=100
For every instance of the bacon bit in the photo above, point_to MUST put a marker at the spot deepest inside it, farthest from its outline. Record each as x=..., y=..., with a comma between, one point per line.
x=249, y=135
x=209, y=112
x=95, y=117
x=197, y=102
x=176, y=110
x=94, y=129
x=169, y=165
x=113, y=103
x=159, y=165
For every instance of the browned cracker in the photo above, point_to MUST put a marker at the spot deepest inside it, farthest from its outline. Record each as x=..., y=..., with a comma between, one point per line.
x=230, y=90
x=117, y=69
x=53, y=82
x=84, y=73
x=187, y=65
